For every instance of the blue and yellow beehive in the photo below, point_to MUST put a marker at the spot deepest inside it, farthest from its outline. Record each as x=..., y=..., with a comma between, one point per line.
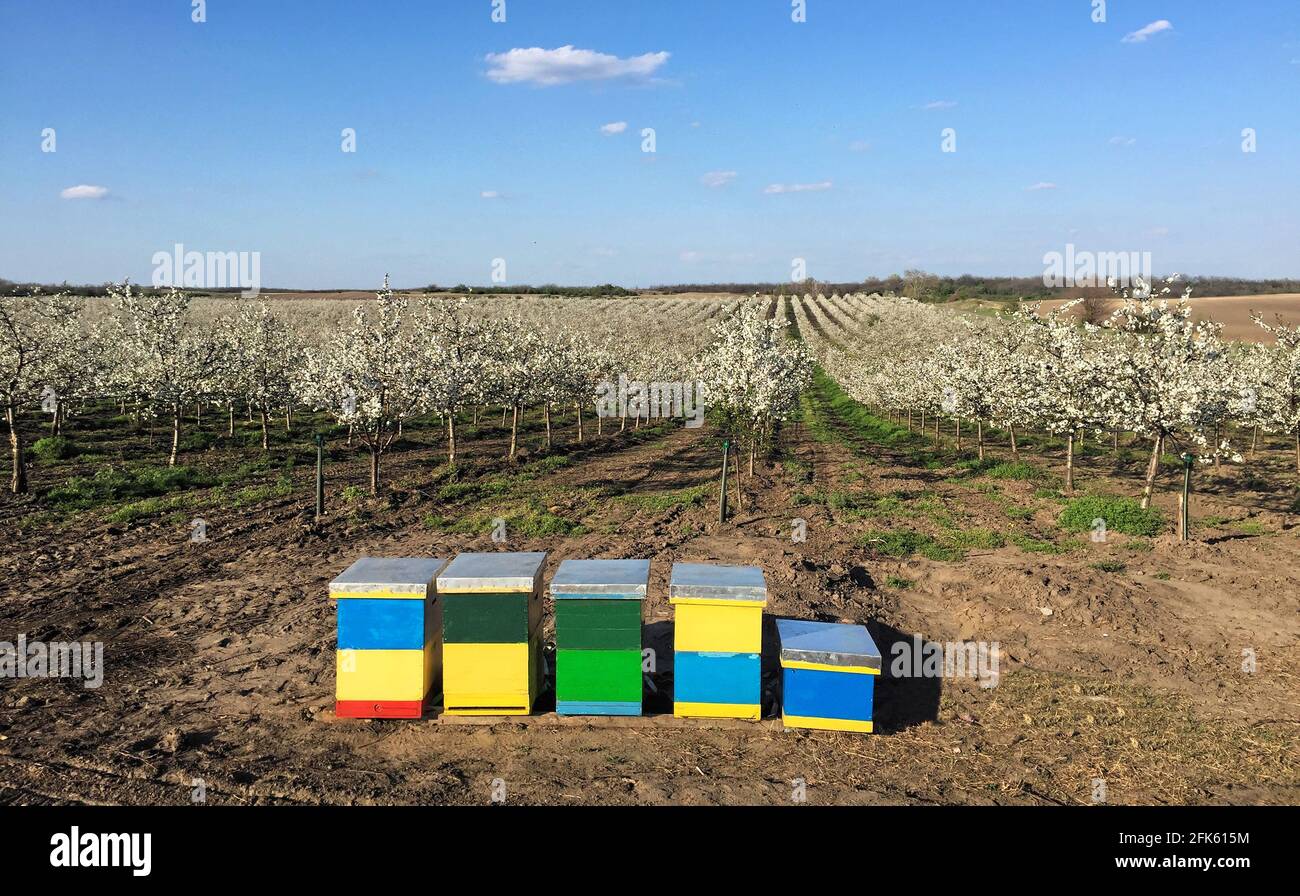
x=491, y=633
x=828, y=674
x=389, y=634
x=717, y=640
x=598, y=636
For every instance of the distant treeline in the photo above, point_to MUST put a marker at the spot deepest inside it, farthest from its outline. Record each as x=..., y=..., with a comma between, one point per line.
x=935, y=288
x=546, y=289
x=9, y=288
x=914, y=284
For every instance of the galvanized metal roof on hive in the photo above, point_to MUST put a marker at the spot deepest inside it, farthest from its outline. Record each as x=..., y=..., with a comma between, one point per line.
x=601, y=579
x=711, y=582
x=492, y=572
x=394, y=577
x=827, y=644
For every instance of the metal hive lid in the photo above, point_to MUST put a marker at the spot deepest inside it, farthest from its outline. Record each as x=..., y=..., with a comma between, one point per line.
x=504, y=571
x=601, y=578
x=393, y=574
x=714, y=582
x=827, y=644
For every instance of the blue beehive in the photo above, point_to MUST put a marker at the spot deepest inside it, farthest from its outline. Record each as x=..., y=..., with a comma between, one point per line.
x=828, y=673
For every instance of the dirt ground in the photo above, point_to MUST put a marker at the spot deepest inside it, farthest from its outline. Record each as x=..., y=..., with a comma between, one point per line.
x=1119, y=662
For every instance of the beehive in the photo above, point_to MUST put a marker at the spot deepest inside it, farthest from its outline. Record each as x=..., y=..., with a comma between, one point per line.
x=387, y=663
x=717, y=641
x=828, y=674
x=598, y=636
x=491, y=632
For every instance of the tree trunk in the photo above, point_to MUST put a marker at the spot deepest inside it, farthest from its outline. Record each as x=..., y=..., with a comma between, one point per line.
x=374, y=470
x=958, y=426
x=1297, y=449
x=18, y=480
x=936, y=430
x=1153, y=467
x=548, y=425
x=600, y=425
x=909, y=419
x=1015, y=451
x=176, y=435
x=979, y=437
x=1254, y=441
x=503, y=416
x=451, y=439
x=1069, y=462
x=752, y=444
x=1114, y=441
x=288, y=418
x=577, y=406
x=349, y=435
x=230, y=431
x=265, y=431
x=514, y=431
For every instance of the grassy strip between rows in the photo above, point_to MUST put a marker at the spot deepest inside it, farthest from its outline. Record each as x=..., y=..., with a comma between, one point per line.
x=832, y=415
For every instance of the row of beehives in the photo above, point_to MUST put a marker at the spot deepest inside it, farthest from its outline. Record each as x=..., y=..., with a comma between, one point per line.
x=411, y=628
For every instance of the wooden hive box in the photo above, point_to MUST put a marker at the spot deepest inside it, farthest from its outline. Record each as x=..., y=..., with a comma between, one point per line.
x=491, y=632
x=388, y=657
x=598, y=636
x=717, y=640
x=828, y=674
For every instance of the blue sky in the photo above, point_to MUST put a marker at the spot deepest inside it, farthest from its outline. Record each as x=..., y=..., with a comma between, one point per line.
x=823, y=138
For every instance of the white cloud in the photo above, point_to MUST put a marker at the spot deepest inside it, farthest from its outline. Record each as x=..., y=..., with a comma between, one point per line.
x=85, y=191
x=490, y=194
x=1122, y=141
x=797, y=188
x=1140, y=36
x=565, y=65
x=718, y=178
x=1041, y=185
x=614, y=127
x=940, y=104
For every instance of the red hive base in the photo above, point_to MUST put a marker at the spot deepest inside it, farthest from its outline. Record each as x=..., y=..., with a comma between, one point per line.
x=387, y=709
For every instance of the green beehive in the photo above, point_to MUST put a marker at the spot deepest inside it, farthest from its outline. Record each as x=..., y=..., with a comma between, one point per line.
x=598, y=636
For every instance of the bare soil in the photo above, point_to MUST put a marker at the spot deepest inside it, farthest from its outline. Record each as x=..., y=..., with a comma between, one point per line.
x=220, y=664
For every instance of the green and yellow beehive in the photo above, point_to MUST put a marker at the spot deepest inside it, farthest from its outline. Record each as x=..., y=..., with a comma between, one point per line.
x=491, y=633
